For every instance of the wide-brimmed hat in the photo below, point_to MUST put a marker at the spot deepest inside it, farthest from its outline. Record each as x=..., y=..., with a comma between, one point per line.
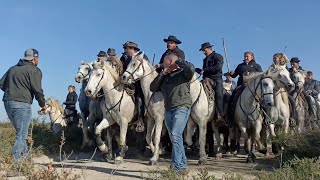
x=29, y=54
x=295, y=59
x=111, y=52
x=173, y=39
x=205, y=45
x=131, y=44
x=102, y=54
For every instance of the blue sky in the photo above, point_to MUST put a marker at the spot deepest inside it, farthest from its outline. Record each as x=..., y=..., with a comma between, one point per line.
x=67, y=32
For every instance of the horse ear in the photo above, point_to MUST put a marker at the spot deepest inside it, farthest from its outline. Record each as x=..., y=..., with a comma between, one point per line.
x=82, y=62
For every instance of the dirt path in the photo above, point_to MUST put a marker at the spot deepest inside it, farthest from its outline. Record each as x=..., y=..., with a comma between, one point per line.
x=135, y=168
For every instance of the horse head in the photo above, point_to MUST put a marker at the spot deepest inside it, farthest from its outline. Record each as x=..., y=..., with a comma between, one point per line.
x=281, y=76
x=83, y=72
x=298, y=77
x=135, y=69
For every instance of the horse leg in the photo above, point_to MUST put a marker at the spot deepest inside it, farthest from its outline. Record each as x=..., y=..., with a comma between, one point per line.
x=150, y=126
x=217, y=135
x=202, y=141
x=157, y=134
x=108, y=138
x=256, y=137
x=189, y=132
x=226, y=139
x=123, y=147
x=103, y=125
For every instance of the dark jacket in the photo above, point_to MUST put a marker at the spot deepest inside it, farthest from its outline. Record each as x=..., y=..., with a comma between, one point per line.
x=175, y=87
x=313, y=86
x=212, y=66
x=175, y=51
x=71, y=100
x=22, y=82
x=242, y=68
x=126, y=60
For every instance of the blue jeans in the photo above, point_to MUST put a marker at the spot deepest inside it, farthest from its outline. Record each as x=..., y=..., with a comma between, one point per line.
x=176, y=120
x=19, y=114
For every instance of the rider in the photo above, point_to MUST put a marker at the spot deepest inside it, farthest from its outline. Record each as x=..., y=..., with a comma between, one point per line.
x=111, y=52
x=70, y=109
x=280, y=59
x=102, y=56
x=228, y=86
x=248, y=66
x=311, y=91
x=172, y=47
x=295, y=65
x=132, y=49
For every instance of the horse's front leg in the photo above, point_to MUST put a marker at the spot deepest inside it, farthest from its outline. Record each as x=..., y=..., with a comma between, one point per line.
x=108, y=138
x=105, y=123
x=256, y=136
x=149, y=135
x=123, y=147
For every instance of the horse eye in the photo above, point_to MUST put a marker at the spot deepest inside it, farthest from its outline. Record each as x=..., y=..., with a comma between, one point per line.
x=265, y=84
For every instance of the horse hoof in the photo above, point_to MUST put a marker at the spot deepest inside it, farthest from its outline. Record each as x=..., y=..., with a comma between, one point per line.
x=263, y=151
x=250, y=160
x=218, y=156
x=202, y=161
x=234, y=153
x=228, y=153
x=109, y=157
x=118, y=160
x=152, y=163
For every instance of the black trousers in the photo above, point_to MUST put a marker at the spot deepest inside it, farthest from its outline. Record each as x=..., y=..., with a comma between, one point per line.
x=139, y=99
x=219, y=95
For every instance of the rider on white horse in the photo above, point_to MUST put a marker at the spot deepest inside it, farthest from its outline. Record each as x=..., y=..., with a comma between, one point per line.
x=132, y=49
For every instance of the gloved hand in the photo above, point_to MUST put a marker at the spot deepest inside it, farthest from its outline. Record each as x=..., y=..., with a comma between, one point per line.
x=198, y=70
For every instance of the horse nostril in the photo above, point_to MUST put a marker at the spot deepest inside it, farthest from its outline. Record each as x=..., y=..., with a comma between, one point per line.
x=123, y=77
x=89, y=92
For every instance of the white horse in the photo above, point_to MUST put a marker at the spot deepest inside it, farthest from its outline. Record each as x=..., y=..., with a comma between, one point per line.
x=279, y=114
x=82, y=76
x=140, y=69
x=118, y=107
x=299, y=105
x=56, y=114
x=258, y=94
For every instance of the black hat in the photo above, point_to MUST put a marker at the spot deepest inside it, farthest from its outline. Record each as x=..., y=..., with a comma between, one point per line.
x=111, y=52
x=173, y=39
x=131, y=44
x=295, y=59
x=205, y=45
x=102, y=54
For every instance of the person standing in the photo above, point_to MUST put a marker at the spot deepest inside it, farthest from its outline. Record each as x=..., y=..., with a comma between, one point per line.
x=174, y=83
x=21, y=84
x=70, y=109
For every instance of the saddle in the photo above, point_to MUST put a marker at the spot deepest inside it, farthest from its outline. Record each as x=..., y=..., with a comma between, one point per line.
x=208, y=85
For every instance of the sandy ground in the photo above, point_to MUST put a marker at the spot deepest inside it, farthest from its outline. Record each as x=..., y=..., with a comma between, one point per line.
x=136, y=167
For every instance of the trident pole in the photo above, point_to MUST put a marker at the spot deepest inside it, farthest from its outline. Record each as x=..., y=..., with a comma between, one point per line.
x=225, y=54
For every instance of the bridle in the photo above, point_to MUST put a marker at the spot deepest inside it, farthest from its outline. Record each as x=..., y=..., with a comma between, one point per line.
x=84, y=77
x=135, y=70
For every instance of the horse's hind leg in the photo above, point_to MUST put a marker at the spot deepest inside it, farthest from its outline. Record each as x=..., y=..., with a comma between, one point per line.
x=109, y=142
x=86, y=141
x=217, y=135
x=149, y=136
x=157, y=134
x=189, y=132
x=202, y=141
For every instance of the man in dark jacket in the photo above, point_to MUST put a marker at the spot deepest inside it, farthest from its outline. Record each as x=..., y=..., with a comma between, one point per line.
x=172, y=47
x=174, y=83
x=21, y=84
x=295, y=64
x=111, y=52
x=70, y=109
x=311, y=91
x=212, y=68
x=131, y=49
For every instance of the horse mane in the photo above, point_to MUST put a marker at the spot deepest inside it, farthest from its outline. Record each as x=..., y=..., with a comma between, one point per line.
x=55, y=103
x=117, y=63
x=249, y=79
x=85, y=63
x=109, y=67
x=154, y=72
